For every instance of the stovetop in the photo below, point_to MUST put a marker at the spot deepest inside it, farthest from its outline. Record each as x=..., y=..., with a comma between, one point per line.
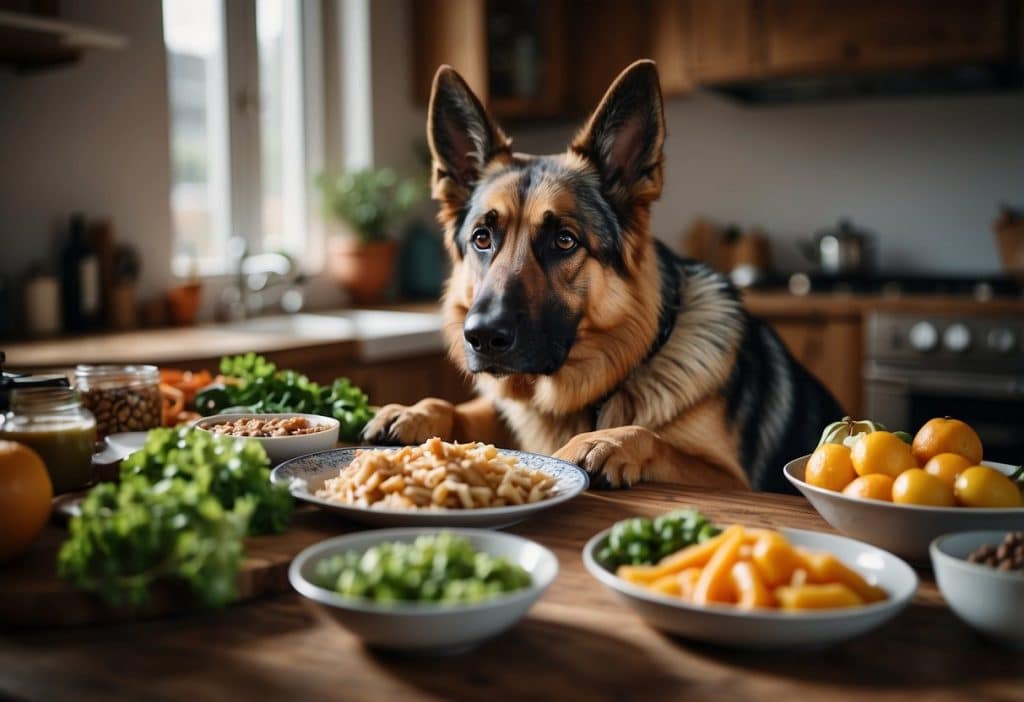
x=976, y=287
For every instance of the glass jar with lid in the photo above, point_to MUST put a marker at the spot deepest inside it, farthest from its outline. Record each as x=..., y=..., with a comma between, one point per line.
x=123, y=398
x=53, y=422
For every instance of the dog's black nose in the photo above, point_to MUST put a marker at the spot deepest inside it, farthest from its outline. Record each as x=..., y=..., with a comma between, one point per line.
x=489, y=333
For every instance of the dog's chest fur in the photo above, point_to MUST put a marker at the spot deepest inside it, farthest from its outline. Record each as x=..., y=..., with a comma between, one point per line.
x=691, y=366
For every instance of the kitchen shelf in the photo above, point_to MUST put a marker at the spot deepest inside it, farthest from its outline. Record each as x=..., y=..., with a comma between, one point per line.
x=30, y=42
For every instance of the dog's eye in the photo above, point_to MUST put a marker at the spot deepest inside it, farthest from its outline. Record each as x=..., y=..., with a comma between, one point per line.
x=481, y=238
x=565, y=241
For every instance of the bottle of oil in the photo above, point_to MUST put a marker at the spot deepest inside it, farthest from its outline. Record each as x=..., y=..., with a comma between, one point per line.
x=80, y=279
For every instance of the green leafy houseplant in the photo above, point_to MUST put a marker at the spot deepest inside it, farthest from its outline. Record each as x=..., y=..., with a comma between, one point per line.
x=371, y=202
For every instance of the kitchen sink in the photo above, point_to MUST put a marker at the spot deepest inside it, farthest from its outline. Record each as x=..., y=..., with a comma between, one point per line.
x=380, y=334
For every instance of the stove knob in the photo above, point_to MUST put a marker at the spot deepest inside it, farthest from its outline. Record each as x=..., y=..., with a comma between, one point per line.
x=957, y=337
x=923, y=336
x=1002, y=340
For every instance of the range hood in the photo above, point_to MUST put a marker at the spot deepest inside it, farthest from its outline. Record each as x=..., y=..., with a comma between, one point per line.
x=944, y=80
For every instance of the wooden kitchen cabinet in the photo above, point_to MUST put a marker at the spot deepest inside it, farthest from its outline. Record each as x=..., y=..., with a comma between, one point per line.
x=479, y=39
x=723, y=39
x=801, y=36
x=576, y=47
x=449, y=32
x=608, y=35
x=530, y=59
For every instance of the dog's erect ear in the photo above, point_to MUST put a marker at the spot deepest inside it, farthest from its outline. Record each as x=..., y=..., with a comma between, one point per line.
x=624, y=136
x=462, y=136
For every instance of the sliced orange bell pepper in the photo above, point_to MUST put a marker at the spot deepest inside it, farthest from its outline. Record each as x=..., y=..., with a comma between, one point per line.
x=714, y=584
x=696, y=555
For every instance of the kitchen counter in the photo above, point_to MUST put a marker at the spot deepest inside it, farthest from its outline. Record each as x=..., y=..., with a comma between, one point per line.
x=347, y=335
x=578, y=642
x=782, y=304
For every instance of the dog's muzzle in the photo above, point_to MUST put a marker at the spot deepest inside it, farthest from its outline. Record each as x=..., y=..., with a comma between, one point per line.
x=504, y=341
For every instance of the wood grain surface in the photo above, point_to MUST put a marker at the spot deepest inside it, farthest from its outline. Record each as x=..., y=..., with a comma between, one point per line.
x=577, y=643
x=31, y=596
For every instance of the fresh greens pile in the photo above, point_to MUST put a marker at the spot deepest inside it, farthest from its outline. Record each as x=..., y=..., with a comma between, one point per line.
x=257, y=386
x=127, y=537
x=225, y=467
x=641, y=540
x=183, y=506
x=433, y=568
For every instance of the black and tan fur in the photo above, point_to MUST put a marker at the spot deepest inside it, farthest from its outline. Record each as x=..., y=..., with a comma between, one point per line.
x=587, y=338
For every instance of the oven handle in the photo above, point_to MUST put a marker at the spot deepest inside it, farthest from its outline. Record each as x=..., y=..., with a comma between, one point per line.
x=933, y=383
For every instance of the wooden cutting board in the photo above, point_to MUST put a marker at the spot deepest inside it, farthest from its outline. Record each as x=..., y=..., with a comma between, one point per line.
x=31, y=594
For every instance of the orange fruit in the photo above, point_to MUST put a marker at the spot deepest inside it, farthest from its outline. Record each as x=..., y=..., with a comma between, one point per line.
x=945, y=435
x=946, y=466
x=829, y=467
x=915, y=487
x=981, y=486
x=873, y=486
x=881, y=452
x=25, y=494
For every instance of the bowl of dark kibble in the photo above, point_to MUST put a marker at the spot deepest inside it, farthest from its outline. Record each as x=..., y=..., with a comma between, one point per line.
x=981, y=576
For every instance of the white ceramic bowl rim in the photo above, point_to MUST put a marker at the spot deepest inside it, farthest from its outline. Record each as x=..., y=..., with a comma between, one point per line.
x=883, y=504
x=332, y=598
x=557, y=498
x=616, y=583
x=328, y=423
x=936, y=548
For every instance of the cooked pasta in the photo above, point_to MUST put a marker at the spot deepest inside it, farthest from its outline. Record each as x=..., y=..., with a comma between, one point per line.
x=436, y=475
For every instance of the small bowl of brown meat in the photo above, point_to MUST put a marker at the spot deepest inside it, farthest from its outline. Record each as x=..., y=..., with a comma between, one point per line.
x=981, y=576
x=283, y=436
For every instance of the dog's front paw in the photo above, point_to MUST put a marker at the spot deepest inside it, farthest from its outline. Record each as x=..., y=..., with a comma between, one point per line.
x=614, y=458
x=399, y=424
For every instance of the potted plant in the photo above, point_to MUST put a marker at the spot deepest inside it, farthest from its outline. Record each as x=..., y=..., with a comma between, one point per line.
x=367, y=205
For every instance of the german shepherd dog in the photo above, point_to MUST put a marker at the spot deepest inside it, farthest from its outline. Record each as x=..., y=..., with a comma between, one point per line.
x=586, y=337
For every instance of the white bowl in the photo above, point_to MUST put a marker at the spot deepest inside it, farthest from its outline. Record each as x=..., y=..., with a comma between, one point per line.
x=306, y=475
x=428, y=627
x=283, y=448
x=906, y=530
x=988, y=599
x=772, y=629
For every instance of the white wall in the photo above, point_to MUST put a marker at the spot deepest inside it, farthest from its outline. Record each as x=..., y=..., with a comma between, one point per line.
x=398, y=123
x=90, y=137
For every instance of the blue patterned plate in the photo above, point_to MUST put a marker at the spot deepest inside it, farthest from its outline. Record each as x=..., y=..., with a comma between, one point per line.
x=305, y=475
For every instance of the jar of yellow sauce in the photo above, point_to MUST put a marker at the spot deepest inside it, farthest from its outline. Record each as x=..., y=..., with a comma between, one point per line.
x=63, y=433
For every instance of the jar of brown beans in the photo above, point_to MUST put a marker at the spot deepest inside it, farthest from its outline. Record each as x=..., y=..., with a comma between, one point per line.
x=123, y=398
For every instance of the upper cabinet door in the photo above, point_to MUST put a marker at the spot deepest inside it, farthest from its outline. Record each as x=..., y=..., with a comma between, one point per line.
x=805, y=36
x=452, y=32
x=724, y=38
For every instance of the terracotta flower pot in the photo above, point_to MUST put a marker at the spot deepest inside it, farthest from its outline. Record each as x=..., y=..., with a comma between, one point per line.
x=364, y=270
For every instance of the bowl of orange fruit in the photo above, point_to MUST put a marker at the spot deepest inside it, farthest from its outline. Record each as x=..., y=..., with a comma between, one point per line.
x=899, y=492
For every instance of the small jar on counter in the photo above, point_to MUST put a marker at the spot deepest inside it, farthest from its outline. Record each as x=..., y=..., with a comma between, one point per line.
x=123, y=398
x=53, y=422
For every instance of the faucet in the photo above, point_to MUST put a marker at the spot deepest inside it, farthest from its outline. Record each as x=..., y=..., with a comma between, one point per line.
x=256, y=275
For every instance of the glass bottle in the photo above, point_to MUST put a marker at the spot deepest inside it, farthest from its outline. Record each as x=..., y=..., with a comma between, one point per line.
x=54, y=423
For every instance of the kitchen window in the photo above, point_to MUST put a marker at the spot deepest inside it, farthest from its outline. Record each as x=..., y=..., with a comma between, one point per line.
x=246, y=132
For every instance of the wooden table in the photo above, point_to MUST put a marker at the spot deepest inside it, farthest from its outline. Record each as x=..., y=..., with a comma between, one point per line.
x=577, y=643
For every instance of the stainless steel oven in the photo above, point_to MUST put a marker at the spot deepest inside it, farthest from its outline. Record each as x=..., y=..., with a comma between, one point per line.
x=969, y=367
